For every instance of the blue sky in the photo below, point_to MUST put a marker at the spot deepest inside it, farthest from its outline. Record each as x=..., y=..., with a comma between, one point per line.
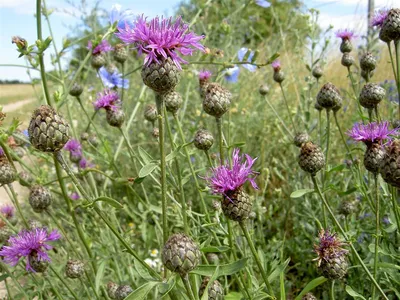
x=17, y=18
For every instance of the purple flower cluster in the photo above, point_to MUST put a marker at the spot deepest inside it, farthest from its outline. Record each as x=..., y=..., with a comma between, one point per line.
x=276, y=65
x=345, y=34
x=204, y=74
x=108, y=100
x=74, y=147
x=74, y=196
x=113, y=79
x=103, y=46
x=7, y=211
x=379, y=17
x=1, y=151
x=372, y=132
x=329, y=246
x=84, y=163
x=226, y=179
x=28, y=243
x=161, y=38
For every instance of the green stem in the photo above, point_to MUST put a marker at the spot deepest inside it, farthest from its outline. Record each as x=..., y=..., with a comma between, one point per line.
x=392, y=61
x=220, y=140
x=178, y=171
x=40, y=54
x=360, y=261
x=342, y=136
x=376, y=254
x=64, y=283
x=188, y=288
x=332, y=290
x=277, y=115
x=256, y=257
x=160, y=109
x=395, y=208
x=123, y=86
x=397, y=50
x=287, y=106
x=209, y=158
x=16, y=204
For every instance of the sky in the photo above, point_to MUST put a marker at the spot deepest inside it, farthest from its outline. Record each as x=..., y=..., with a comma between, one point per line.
x=17, y=18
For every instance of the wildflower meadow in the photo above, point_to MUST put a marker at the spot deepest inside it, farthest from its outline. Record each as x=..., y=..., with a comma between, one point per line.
x=233, y=150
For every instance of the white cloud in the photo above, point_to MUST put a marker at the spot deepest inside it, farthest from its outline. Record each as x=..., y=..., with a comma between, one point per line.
x=362, y=3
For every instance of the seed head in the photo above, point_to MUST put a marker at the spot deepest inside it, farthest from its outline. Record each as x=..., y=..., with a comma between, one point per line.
x=391, y=25
x=329, y=96
x=115, y=117
x=75, y=268
x=390, y=167
x=263, y=90
x=40, y=198
x=173, y=101
x=217, y=100
x=317, y=72
x=76, y=90
x=122, y=292
x=215, y=289
x=311, y=158
x=203, y=140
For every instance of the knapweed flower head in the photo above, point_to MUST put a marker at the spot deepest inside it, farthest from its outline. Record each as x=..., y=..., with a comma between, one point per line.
x=372, y=133
x=74, y=147
x=84, y=163
x=161, y=38
x=263, y=3
x=329, y=246
x=276, y=65
x=7, y=211
x=345, y=34
x=232, y=74
x=107, y=99
x=1, y=151
x=113, y=79
x=204, y=74
x=241, y=53
x=74, y=196
x=103, y=46
x=226, y=179
x=379, y=17
x=29, y=243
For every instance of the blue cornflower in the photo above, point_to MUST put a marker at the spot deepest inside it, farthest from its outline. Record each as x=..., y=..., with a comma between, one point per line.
x=232, y=74
x=122, y=17
x=241, y=53
x=263, y=3
x=114, y=79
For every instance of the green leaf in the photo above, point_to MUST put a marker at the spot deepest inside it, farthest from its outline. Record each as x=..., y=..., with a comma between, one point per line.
x=215, y=249
x=310, y=286
x=142, y=271
x=146, y=157
x=4, y=277
x=234, y=296
x=278, y=270
x=301, y=193
x=141, y=292
x=109, y=201
x=353, y=293
x=228, y=269
x=147, y=169
x=166, y=287
x=99, y=275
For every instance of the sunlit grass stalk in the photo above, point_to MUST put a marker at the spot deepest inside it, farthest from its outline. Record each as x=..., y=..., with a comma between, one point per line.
x=360, y=261
x=278, y=117
x=13, y=196
x=397, y=51
x=287, y=106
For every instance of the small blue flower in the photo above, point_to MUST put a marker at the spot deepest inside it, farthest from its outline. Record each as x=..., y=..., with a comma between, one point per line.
x=121, y=17
x=241, y=53
x=232, y=74
x=114, y=79
x=263, y=3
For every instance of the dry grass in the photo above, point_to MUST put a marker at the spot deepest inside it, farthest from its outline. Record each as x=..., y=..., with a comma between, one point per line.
x=10, y=93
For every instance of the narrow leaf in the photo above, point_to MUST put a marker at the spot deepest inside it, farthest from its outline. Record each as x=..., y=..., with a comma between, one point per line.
x=147, y=169
x=141, y=292
x=109, y=201
x=229, y=269
x=301, y=193
x=99, y=275
x=353, y=293
x=310, y=286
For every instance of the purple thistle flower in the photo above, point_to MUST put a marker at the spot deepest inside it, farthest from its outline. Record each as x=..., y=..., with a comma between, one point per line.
x=84, y=163
x=241, y=53
x=28, y=243
x=329, y=246
x=227, y=179
x=379, y=17
x=1, y=151
x=74, y=147
x=372, y=132
x=161, y=38
x=7, y=211
x=232, y=74
x=276, y=65
x=108, y=99
x=114, y=79
x=74, y=196
x=345, y=34
x=204, y=74
x=263, y=3
x=103, y=46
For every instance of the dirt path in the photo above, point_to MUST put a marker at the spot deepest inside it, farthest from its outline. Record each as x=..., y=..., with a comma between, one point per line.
x=16, y=105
